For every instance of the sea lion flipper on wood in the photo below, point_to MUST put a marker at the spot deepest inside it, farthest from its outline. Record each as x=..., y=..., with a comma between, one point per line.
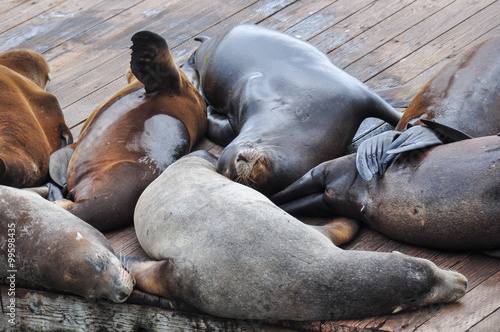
x=400, y=96
x=219, y=128
x=153, y=64
x=58, y=165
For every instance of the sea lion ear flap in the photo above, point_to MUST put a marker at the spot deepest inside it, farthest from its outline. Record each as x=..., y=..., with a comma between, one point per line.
x=153, y=64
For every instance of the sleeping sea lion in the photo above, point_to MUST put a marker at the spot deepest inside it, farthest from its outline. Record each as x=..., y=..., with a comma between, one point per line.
x=31, y=120
x=278, y=103
x=46, y=245
x=444, y=197
x=131, y=138
x=464, y=95
x=227, y=250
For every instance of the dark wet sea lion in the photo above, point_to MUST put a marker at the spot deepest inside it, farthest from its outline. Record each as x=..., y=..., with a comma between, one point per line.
x=132, y=137
x=32, y=124
x=227, y=250
x=46, y=245
x=444, y=197
x=279, y=103
x=464, y=95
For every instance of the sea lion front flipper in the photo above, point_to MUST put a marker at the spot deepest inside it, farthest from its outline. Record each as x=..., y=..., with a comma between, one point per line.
x=219, y=129
x=153, y=64
x=400, y=96
x=58, y=165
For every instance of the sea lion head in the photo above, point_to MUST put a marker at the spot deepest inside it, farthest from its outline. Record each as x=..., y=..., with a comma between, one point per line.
x=90, y=268
x=28, y=63
x=247, y=162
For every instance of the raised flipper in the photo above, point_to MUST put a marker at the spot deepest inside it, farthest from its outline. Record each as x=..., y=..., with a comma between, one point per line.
x=340, y=230
x=219, y=129
x=153, y=64
x=400, y=96
x=58, y=165
x=375, y=154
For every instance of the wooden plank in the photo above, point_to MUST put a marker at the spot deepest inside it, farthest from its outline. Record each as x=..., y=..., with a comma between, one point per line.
x=472, y=308
x=7, y=5
x=366, y=21
x=55, y=26
x=294, y=13
x=23, y=11
x=51, y=311
x=477, y=28
x=326, y=18
x=256, y=13
x=490, y=323
x=436, y=24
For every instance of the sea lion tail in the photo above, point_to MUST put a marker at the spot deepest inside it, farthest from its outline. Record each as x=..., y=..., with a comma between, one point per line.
x=153, y=64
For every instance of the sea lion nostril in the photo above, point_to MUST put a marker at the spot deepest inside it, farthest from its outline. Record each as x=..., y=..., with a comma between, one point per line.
x=241, y=158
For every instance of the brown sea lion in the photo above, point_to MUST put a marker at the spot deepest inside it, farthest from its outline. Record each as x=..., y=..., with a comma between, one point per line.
x=279, y=105
x=31, y=120
x=464, y=95
x=46, y=245
x=444, y=197
x=132, y=137
x=227, y=250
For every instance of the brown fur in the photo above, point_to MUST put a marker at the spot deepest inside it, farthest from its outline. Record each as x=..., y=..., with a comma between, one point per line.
x=464, y=94
x=31, y=120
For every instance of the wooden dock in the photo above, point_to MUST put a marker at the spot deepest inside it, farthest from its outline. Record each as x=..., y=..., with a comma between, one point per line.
x=384, y=43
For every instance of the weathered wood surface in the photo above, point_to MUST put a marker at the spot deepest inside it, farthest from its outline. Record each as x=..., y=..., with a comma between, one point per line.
x=385, y=43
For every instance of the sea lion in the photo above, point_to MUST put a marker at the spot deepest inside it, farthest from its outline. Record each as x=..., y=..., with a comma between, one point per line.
x=32, y=124
x=463, y=95
x=132, y=137
x=227, y=250
x=278, y=103
x=443, y=197
x=44, y=244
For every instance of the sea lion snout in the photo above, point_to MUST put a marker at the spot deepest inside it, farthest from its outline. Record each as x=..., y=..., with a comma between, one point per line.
x=246, y=165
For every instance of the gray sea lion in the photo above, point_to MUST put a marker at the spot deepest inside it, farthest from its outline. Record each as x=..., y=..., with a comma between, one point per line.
x=131, y=138
x=227, y=250
x=279, y=105
x=444, y=197
x=46, y=245
x=32, y=124
x=463, y=95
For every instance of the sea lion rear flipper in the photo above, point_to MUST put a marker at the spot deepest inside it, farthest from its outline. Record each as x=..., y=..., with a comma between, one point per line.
x=153, y=64
x=219, y=129
x=445, y=133
x=400, y=96
x=375, y=154
x=371, y=156
x=340, y=230
x=58, y=165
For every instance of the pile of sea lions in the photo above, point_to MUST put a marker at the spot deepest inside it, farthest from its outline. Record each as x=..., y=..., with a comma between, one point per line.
x=220, y=232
